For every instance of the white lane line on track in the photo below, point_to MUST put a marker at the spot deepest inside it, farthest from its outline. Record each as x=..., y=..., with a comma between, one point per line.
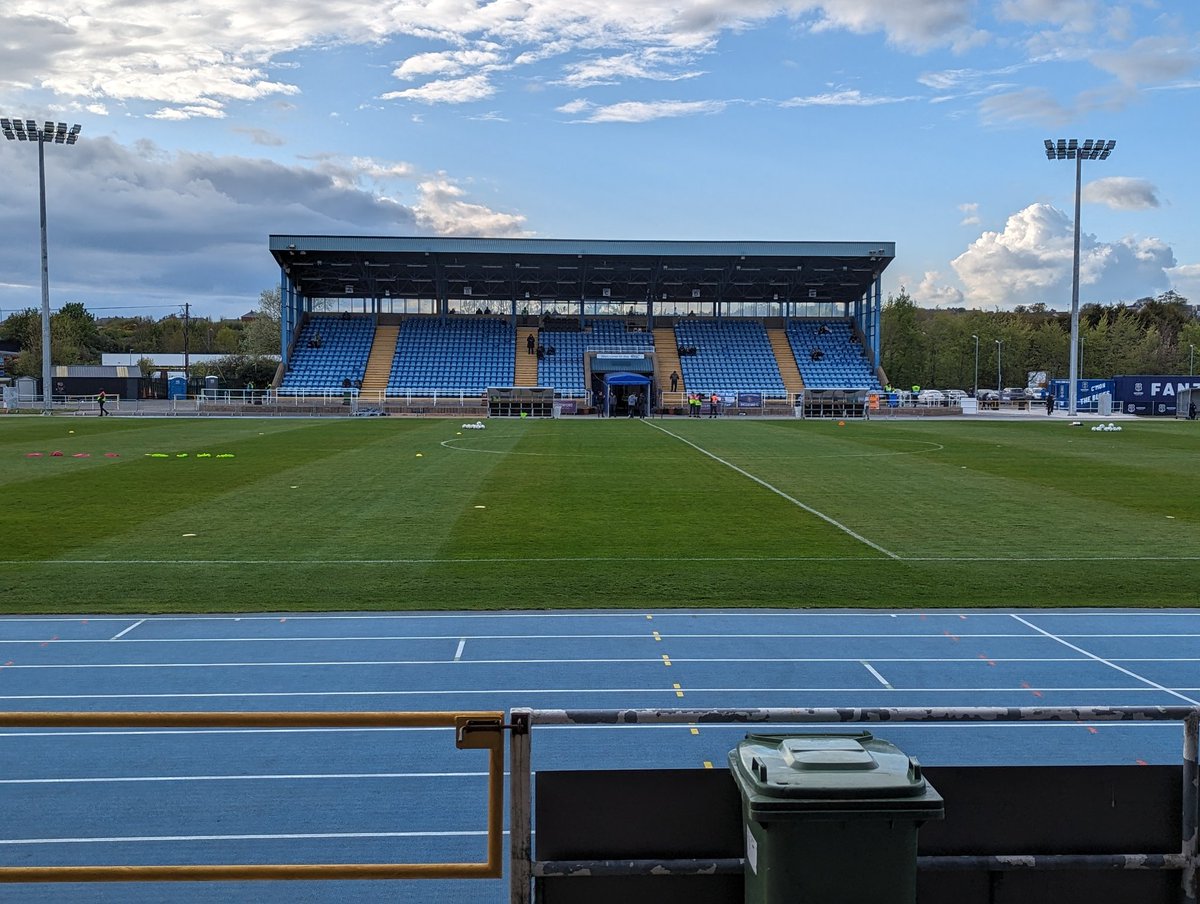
x=778, y=492
x=1109, y=663
x=127, y=839
x=120, y=634
x=356, y=638
x=636, y=614
x=458, y=653
x=115, y=779
x=789, y=660
x=924, y=726
x=574, y=690
x=878, y=677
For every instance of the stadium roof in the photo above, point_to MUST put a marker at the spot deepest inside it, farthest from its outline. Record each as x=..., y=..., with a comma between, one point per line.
x=328, y=266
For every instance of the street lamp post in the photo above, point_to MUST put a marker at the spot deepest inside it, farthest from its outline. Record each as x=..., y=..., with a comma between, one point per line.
x=975, y=386
x=28, y=130
x=999, y=347
x=1081, y=376
x=1191, y=360
x=1063, y=149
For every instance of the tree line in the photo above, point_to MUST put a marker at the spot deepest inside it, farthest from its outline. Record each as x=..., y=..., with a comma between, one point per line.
x=78, y=337
x=939, y=348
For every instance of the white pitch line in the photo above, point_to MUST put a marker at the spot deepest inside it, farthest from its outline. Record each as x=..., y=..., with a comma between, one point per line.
x=1110, y=664
x=115, y=779
x=458, y=653
x=121, y=634
x=125, y=839
x=880, y=678
x=778, y=492
x=496, y=560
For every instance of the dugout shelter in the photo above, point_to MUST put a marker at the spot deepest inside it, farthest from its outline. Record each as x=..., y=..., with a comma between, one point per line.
x=571, y=278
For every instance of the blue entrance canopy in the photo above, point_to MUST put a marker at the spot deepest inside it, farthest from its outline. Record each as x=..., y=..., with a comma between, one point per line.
x=626, y=379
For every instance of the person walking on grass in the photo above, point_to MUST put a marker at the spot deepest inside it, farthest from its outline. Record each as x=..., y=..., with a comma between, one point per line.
x=101, y=398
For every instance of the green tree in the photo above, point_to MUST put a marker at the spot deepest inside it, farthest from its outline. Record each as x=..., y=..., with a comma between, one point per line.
x=262, y=335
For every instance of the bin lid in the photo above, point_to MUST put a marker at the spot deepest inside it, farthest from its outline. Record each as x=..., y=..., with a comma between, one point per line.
x=830, y=771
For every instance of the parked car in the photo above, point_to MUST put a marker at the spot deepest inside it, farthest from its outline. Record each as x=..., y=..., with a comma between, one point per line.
x=987, y=395
x=1013, y=394
x=955, y=395
x=931, y=397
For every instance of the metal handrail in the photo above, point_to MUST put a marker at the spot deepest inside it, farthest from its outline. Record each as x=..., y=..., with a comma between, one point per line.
x=472, y=730
x=522, y=866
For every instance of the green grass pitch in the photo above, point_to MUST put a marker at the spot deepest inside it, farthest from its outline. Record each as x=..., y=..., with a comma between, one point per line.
x=394, y=514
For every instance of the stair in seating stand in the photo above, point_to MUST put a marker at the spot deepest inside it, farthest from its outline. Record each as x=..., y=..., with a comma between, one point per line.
x=379, y=364
x=666, y=359
x=786, y=359
x=525, y=371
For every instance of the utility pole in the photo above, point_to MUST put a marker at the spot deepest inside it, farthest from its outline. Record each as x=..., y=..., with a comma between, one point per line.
x=187, y=310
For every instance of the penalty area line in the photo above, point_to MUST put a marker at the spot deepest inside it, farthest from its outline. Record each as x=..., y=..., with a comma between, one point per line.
x=778, y=492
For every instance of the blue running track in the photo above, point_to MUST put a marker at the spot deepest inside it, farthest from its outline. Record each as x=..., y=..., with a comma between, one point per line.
x=135, y=796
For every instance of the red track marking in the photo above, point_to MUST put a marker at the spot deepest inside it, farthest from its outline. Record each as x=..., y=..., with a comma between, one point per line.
x=1141, y=762
x=1092, y=730
x=963, y=617
x=953, y=637
x=282, y=620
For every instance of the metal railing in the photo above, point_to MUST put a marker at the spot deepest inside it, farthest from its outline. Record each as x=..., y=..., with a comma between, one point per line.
x=523, y=868
x=472, y=731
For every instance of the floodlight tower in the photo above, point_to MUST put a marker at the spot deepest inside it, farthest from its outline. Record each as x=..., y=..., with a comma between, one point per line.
x=1064, y=149
x=28, y=130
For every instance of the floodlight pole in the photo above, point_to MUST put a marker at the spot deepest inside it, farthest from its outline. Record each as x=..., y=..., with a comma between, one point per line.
x=14, y=129
x=975, y=385
x=999, y=381
x=1092, y=149
x=1191, y=359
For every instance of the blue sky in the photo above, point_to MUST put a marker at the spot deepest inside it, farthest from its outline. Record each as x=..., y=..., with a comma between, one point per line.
x=209, y=125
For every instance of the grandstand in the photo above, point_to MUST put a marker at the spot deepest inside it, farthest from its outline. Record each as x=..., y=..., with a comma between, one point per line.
x=728, y=356
x=458, y=355
x=733, y=318
x=830, y=356
x=562, y=364
x=328, y=350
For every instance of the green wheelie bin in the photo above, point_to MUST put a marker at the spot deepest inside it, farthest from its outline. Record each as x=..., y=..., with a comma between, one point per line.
x=830, y=818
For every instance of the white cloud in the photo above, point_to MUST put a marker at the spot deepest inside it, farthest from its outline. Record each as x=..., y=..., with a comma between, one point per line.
x=1031, y=261
x=914, y=26
x=1121, y=193
x=645, y=111
x=1151, y=60
x=441, y=209
x=446, y=63
x=188, y=54
x=575, y=106
x=146, y=224
x=1031, y=105
x=970, y=212
x=845, y=98
x=447, y=91
x=1185, y=279
x=617, y=69
x=931, y=292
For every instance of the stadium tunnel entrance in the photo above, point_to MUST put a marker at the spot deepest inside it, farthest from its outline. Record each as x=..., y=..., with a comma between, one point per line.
x=626, y=392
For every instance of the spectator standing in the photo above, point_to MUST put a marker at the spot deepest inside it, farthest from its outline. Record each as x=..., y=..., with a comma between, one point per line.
x=101, y=398
x=674, y=381
x=713, y=401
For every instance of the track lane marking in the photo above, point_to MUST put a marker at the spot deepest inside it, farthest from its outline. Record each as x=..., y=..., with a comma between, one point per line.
x=878, y=677
x=1109, y=663
x=121, y=634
